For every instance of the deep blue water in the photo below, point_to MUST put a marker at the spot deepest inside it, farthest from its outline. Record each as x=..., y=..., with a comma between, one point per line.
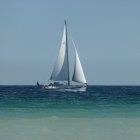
x=117, y=99
x=95, y=95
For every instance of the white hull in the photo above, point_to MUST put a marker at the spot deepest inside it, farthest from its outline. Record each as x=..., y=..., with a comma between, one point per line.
x=72, y=88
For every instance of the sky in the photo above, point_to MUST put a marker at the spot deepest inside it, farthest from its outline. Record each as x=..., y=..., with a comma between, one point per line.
x=106, y=33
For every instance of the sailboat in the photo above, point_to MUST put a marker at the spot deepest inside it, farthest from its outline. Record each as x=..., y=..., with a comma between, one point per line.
x=60, y=77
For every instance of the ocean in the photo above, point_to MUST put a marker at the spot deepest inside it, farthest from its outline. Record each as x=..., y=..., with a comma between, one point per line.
x=100, y=113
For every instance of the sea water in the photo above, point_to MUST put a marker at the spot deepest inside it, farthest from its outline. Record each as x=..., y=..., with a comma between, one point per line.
x=101, y=113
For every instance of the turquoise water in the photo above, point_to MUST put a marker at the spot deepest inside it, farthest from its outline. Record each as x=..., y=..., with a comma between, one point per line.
x=101, y=113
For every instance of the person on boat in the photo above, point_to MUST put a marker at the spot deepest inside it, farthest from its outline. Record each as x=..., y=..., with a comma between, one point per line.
x=50, y=84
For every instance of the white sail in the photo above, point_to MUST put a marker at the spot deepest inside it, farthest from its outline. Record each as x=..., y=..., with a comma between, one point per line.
x=78, y=74
x=60, y=71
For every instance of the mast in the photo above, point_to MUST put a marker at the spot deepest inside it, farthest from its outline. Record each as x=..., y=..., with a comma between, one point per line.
x=67, y=55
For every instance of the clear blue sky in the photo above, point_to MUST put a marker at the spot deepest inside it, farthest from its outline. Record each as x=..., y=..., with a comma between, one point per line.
x=107, y=34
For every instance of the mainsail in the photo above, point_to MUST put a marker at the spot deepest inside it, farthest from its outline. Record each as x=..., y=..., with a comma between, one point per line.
x=78, y=74
x=61, y=68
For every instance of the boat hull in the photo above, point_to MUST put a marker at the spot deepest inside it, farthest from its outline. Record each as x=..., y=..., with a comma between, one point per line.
x=72, y=88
